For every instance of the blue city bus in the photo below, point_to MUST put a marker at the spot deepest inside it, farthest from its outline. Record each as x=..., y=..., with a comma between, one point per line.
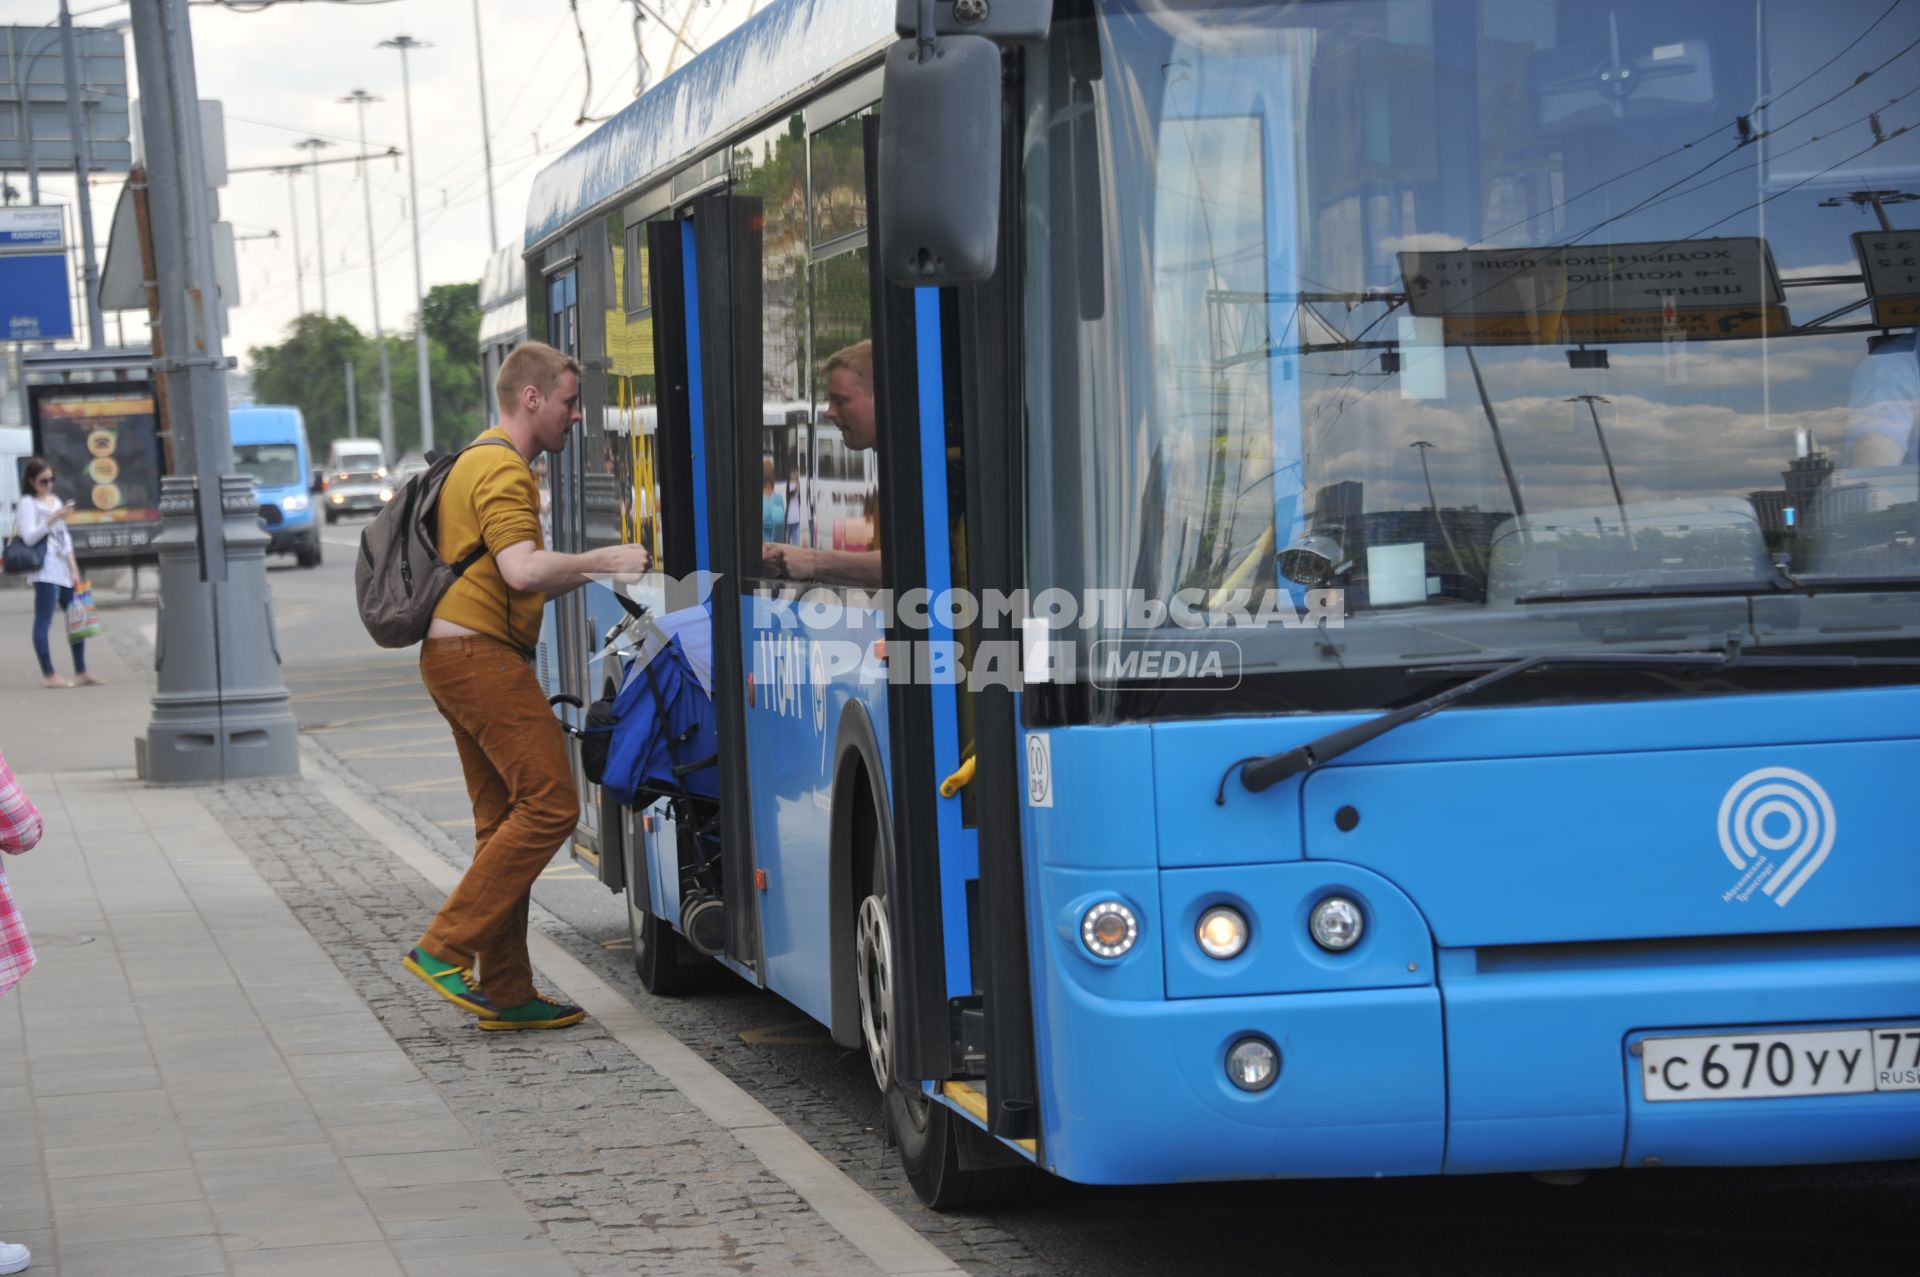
x=1453, y=466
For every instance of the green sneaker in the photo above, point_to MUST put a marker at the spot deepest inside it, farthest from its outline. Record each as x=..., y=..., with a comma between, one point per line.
x=537, y=1013
x=455, y=984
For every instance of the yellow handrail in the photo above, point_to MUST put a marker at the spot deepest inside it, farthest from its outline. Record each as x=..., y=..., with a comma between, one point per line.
x=959, y=780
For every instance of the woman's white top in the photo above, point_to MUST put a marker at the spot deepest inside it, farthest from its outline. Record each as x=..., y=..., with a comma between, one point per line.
x=33, y=524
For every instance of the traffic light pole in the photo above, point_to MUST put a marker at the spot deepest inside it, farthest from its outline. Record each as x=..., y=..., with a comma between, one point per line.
x=221, y=710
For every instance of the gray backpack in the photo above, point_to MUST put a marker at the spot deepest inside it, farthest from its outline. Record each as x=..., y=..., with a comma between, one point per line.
x=400, y=575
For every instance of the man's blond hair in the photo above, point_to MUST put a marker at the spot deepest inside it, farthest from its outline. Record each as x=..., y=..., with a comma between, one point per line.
x=856, y=359
x=532, y=363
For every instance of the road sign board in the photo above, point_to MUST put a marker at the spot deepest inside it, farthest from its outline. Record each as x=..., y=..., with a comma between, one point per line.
x=1891, y=262
x=1597, y=279
x=33, y=228
x=33, y=297
x=1721, y=324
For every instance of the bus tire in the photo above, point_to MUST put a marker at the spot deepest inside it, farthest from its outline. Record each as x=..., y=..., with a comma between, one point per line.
x=661, y=958
x=308, y=556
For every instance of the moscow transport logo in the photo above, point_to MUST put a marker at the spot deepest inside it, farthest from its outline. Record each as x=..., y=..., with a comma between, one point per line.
x=1776, y=827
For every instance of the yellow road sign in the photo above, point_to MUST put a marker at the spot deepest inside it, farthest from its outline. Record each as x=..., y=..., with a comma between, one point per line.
x=1615, y=326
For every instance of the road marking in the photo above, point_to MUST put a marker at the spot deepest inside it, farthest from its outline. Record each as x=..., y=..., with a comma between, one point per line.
x=796, y=1033
x=616, y=944
x=569, y=873
x=889, y=1241
x=462, y=823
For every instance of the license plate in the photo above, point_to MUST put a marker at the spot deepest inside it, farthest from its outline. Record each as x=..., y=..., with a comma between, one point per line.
x=1759, y=1066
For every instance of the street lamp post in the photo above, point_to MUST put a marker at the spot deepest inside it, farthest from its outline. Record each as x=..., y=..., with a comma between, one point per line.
x=313, y=146
x=1434, y=503
x=220, y=706
x=360, y=98
x=292, y=171
x=404, y=43
x=1607, y=456
x=82, y=165
x=486, y=133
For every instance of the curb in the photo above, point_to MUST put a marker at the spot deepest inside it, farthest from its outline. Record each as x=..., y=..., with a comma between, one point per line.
x=893, y=1245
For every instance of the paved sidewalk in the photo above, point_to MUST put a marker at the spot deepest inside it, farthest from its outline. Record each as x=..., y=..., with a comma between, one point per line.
x=218, y=1067
x=203, y=1092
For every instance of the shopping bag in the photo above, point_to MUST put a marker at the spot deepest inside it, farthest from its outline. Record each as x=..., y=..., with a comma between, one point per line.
x=82, y=622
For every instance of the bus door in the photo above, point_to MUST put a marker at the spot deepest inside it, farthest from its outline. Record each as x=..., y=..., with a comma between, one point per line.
x=566, y=632
x=963, y=1001
x=706, y=374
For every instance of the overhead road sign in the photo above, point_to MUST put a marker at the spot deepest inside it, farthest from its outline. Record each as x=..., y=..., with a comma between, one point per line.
x=33, y=99
x=1891, y=262
x=1703, y=289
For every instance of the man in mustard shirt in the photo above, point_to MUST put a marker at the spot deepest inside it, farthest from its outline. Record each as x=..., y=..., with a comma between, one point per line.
x=476, y=663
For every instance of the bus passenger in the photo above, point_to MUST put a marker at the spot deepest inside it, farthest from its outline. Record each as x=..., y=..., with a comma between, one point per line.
x=476, y=663
x=773, y=510
x=850, y=407
x=1883, y=407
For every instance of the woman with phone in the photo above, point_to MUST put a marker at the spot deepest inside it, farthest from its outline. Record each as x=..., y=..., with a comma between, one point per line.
x=42, y=517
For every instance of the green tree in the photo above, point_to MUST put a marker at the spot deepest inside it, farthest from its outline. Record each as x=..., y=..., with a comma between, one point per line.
x=309, y=371
x=452, y=314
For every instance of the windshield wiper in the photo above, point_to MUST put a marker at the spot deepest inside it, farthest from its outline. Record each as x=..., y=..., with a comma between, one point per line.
x=1266, y=770
x=1779, y=584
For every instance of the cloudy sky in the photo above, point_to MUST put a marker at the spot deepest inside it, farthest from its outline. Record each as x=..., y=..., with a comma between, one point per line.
x=279, y=74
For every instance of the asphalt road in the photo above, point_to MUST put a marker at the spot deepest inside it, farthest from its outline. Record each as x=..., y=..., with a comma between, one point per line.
x=366, y=706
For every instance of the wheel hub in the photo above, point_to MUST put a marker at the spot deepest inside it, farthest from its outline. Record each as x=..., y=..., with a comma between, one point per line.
x=873, y=958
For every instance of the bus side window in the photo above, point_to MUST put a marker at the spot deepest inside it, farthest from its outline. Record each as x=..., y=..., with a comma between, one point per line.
x=772, y=168
x=845, y=514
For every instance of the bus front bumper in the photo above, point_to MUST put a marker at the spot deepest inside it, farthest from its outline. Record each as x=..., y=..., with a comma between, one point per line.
x=1508, y=1063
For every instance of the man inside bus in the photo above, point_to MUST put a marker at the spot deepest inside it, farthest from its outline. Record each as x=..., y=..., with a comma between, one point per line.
x=476, y=665
x=850, y=407
x=1883, y=406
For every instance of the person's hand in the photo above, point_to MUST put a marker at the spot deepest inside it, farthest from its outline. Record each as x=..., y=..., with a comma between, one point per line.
x=773, y=558
x=628, y=561
x=60, y=515
x=798, y=561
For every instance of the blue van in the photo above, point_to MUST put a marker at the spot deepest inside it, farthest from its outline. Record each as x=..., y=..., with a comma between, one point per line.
x=270, y=447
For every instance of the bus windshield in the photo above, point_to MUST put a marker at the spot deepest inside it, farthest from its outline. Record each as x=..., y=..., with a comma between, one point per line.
x=1479, y=329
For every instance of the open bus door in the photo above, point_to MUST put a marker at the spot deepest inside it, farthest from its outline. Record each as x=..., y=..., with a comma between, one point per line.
x=963, y=1010
x=675, y=864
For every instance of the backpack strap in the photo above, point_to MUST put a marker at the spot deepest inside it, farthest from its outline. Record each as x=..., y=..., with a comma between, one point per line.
x=479, y=551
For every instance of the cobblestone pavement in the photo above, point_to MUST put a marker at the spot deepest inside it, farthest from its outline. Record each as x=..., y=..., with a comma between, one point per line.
x=622, y=1172
x=618, y=1167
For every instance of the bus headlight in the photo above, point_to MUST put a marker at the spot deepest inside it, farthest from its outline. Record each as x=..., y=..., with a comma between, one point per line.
x=1109, y=929
x=1222, y=933
x=1337, y=924
x=295, y=503
x=1253, y=1063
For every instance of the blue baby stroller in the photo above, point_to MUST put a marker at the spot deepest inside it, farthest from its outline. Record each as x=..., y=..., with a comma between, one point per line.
x=662, y=745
